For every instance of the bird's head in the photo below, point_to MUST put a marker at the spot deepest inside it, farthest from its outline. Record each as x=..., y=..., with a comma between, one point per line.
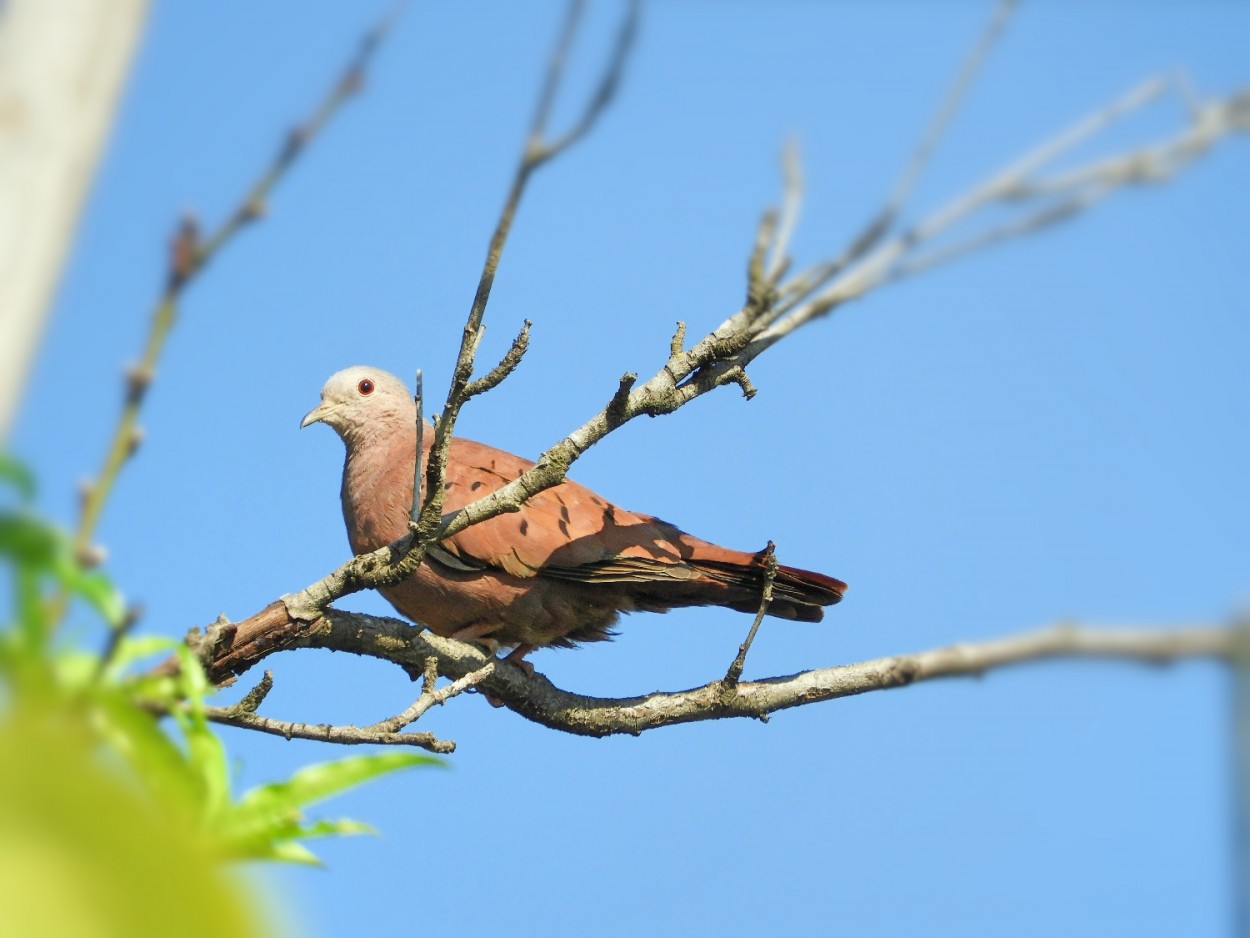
x=360, y=401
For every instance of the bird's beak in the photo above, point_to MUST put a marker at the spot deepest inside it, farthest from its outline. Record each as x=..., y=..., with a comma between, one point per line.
x=318, y=414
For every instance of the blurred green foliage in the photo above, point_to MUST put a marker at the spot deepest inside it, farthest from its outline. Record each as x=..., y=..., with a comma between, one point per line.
x=116, y=807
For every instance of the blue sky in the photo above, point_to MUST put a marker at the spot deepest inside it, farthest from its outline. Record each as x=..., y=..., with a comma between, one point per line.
x=1051, y=430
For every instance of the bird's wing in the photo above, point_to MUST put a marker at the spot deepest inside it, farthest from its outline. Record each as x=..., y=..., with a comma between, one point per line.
x=567, y=531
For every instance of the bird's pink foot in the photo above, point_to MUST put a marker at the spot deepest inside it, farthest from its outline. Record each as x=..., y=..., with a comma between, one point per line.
x=517, y=657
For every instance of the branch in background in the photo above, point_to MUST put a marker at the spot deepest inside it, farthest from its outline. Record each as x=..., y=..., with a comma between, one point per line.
x=1037, y=201
x=964, y=79
x=188, y=256
x=534, y=697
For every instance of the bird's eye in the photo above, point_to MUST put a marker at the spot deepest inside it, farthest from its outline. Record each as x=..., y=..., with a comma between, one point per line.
x=365, y=386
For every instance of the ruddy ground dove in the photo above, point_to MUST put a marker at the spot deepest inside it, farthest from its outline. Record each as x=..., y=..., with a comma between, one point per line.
x=557, y=572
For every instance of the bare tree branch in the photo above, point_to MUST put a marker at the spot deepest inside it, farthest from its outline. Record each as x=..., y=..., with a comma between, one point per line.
x=720, y=357
x=964, y=79
x=189, y=255
x=734, y=674
x=431, y=697
x=326, y=733
x=386, y=732
x=772, y=310
x=537, y=699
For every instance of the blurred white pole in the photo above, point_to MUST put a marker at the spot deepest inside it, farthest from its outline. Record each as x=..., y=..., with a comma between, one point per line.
x=62, y=66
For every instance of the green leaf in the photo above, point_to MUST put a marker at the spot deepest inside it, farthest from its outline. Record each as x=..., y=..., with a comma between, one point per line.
x=17, y=475
x=29, y=541
x=339, y=827
x=192, y=678
x=205, y=750
x=74, y=669
x=86, y=851
x=289, y=851
x=269, y=816
x=32, y=614
x=317, y=782
x=156, y=759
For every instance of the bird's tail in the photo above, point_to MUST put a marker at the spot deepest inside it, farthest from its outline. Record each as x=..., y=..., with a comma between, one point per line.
x=797, y=594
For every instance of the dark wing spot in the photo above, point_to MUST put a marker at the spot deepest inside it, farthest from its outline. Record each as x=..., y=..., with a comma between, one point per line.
x=525, y=526
x=475, y=486
x=564, y=529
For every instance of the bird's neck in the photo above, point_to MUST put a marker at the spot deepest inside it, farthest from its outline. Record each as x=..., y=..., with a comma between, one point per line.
x=377, y=481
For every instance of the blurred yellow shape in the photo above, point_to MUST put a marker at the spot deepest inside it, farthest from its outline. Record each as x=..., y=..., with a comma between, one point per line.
x=84, y=854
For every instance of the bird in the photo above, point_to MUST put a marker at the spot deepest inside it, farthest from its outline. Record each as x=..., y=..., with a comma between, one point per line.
x=557, y=573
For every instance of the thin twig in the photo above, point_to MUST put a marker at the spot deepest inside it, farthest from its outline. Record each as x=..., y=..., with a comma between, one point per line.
x=414, y=512
x=432, y=698
x=787, y=219
x=347, y=735
x=189, y=255
x=769, y=561
x=603, y=95
x=1044, y=217
x=1012, y=185
x=881, y=223
x=950, y=106
x=555, y=70
x=507, y=365
x=256, y=696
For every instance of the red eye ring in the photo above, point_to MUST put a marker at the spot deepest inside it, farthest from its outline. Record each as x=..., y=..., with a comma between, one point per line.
x=365, y=386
